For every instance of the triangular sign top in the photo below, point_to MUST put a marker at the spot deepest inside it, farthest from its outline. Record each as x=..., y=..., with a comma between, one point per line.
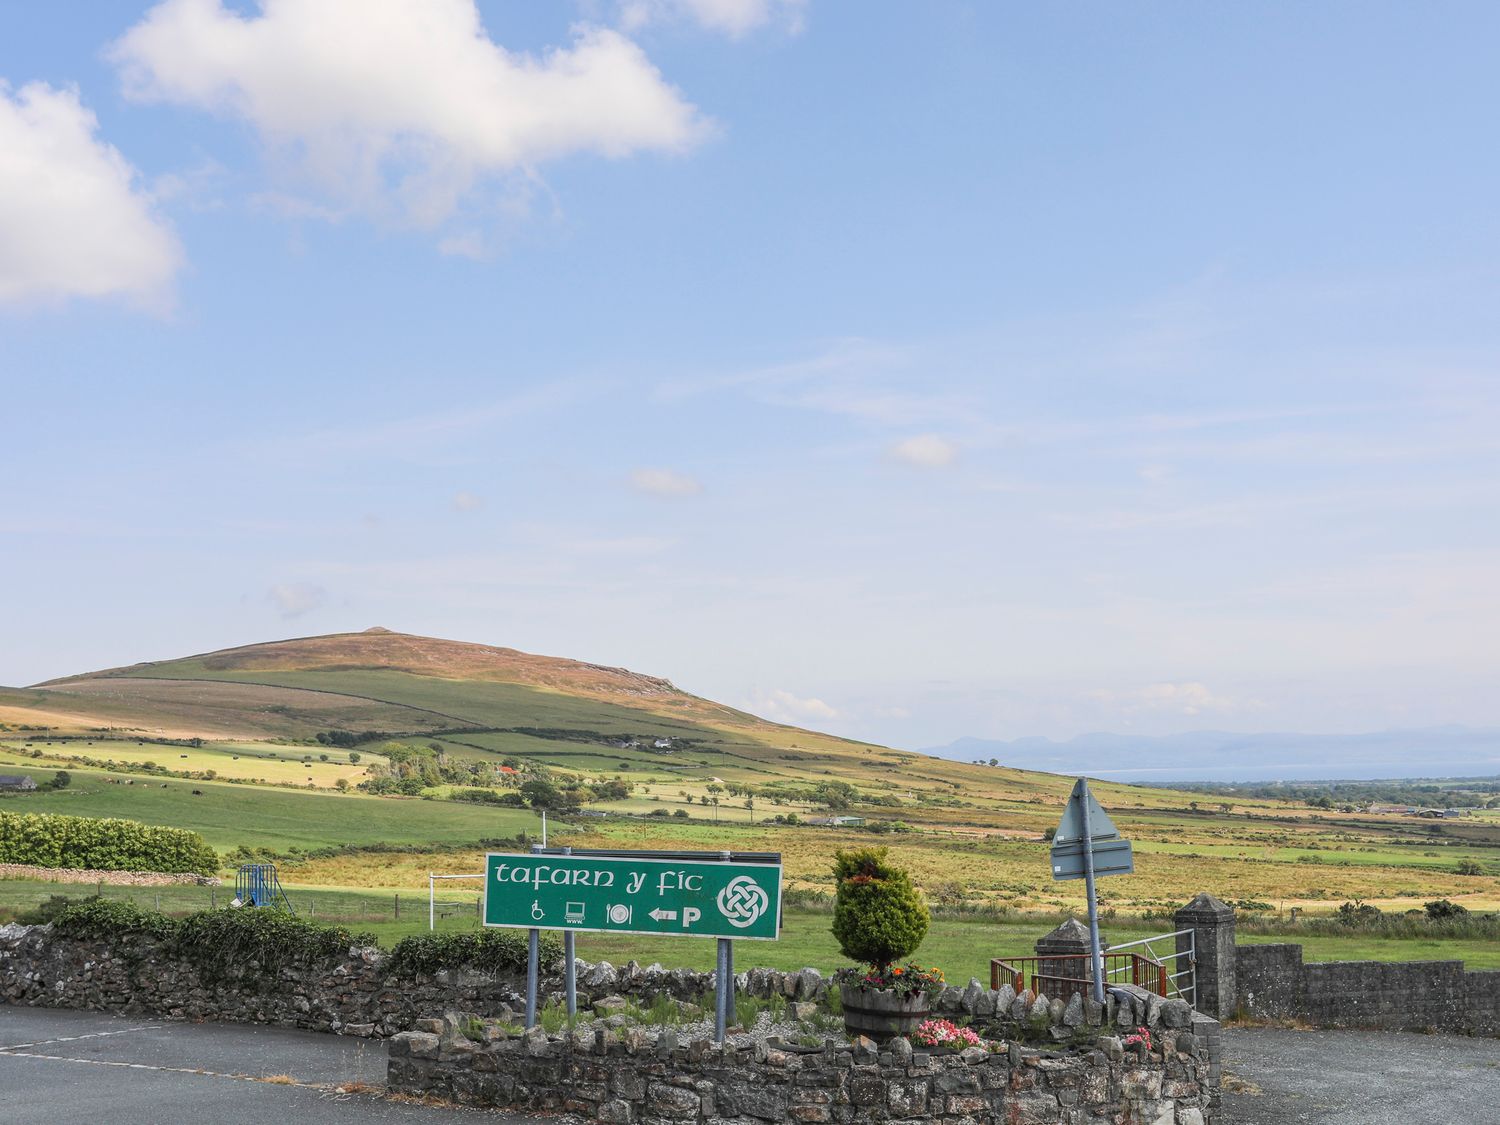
x=1070, y=828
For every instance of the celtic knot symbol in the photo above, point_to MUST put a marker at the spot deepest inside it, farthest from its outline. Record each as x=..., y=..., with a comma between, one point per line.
x=743, y=901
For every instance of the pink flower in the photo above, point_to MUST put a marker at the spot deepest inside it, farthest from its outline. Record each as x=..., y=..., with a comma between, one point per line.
x=944, y=1033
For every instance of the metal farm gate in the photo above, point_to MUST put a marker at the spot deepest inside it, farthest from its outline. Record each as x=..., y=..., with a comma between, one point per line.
x=1165, y=964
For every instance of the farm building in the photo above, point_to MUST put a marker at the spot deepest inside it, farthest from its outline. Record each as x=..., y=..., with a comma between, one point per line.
x=12, y=783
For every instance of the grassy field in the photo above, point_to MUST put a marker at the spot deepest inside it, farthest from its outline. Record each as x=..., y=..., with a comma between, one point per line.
x=252, y=761
x=962, y=948
x=977, y=831
x=1285, y=861
x=229, y=815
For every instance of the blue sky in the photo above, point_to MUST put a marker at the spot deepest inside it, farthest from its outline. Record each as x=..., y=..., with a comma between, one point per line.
x=909, y=371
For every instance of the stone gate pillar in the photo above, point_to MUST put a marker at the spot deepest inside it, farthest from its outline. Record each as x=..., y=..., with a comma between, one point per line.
x=1212, y=924
x=1054, y=953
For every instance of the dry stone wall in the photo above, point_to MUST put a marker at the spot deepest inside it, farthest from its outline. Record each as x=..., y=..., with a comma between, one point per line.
x=353, y=994
x=109, y=878
x=620, y=1076
x=1274, y=982
x=358, y=993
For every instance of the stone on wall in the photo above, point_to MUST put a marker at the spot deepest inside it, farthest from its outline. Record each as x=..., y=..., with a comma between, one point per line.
x=1274, y=982
x=650, y=1076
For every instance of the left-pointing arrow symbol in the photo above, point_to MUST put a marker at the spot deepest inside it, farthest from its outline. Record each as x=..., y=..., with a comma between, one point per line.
x=661, y=915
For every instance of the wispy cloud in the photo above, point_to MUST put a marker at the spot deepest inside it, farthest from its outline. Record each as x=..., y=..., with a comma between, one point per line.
x=734, y=18
x=925, y=451
x=1187, y=697
x=784, y=707
x=422, y=432
x=864, y=380
x=664, y=482
x=293, y=599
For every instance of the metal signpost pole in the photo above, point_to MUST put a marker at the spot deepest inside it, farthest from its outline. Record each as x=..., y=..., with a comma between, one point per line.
x=533, y=955
x=723, y=981
x=1096, y=958
x=570, y=978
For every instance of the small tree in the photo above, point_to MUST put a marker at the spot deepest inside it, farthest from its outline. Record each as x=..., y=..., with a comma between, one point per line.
x=541, y=794
x=61, y=779
x=878, y=916
x=354, y=757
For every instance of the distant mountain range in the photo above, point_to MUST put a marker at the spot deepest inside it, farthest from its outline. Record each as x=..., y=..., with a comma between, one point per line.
x=1221, y=756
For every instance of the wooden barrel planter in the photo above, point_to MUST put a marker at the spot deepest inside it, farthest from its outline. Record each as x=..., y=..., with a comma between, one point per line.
x=881, y=1013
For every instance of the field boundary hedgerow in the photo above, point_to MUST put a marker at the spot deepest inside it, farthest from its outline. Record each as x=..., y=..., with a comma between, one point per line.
x=57, y=840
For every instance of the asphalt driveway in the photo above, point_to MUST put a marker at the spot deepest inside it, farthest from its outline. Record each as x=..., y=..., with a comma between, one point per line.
x=90, y=1066
x=1279, y=1077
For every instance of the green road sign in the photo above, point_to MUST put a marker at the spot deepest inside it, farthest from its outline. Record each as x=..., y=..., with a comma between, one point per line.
x=633, y=895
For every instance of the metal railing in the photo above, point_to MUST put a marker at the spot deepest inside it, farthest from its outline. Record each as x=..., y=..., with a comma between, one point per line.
x=435, y=908
x=1178, y=964
x=1059, y=975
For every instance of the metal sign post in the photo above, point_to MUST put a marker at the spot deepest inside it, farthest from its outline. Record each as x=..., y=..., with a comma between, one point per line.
x=533, y=951
x=1087, y=846
x=570, y=976
x=1096, y=955
x=723, y=980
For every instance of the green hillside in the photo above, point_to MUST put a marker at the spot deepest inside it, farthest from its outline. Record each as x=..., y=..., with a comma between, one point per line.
x=283, y=745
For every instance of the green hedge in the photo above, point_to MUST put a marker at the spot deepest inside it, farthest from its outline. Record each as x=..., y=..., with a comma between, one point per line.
x=223, y=942
x=487, y=951
x=219, y=942
x=96, y=918
x=50, y=840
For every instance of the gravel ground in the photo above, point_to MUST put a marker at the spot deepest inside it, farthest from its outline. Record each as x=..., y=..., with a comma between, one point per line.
x=1279, y=1077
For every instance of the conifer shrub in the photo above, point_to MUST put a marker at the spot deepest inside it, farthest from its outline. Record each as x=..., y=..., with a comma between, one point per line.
x=878, y=915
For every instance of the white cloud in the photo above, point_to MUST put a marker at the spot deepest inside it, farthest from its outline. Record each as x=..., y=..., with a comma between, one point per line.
x=730, y=17
x=664, y=482
x=1182, y=698
x=404, y=108
x=73, y=222
x=464, y=244
x=925, y=451
x=294, y=599
x=466, y=502
x=784, y=707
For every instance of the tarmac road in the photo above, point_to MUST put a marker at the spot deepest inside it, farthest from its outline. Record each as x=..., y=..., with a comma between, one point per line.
x=58, y=1066
x=1278, y=1077
x=90, y=1066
